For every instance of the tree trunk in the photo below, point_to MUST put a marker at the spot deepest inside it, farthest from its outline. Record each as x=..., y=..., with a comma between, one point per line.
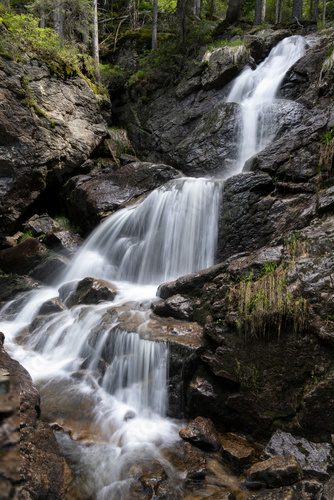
x=155, y=24
x=182, y=7
x=264, y=9
x=42, y=22
x=323, y=11
x=258, y=12
x=95, y=40
x=58, y=21
x=211, y=9
x=297, y=10
x=315, y=10
x=278, y=12
x=233, y=11
x=197, y=8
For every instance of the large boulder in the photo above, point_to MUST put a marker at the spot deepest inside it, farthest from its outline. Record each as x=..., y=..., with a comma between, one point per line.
x=33, y=258
x=88, y=198
x=48, y=127
x=316, y=459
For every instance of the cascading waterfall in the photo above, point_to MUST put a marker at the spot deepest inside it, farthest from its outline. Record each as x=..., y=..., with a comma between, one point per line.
x=255, y=91
x=84, y=353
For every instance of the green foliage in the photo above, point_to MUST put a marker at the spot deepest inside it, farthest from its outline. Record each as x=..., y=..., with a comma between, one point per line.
x=237, y=42
x=25, y=236
x=65, y=224
x=327, y=136
x=265, y=305
x=113, y=76
x=21, y=37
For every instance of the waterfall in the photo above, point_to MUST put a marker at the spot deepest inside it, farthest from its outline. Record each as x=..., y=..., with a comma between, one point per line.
x=171, y=233
x=83, y=357
x=256, y=90
x=85, y=353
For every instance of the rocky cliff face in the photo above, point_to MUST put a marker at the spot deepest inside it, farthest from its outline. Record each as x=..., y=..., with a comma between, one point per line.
x=48, y=127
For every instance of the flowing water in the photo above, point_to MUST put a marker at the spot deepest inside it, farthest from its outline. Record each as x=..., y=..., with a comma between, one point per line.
x=256, y=91
x=92, y=369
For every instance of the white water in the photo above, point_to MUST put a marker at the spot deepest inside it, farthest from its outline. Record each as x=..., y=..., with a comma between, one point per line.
x=256, y=90
x=82, y=357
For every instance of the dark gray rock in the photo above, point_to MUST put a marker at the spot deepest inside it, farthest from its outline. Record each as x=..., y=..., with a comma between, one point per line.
x=89, y=198
x=177, y=306
x=315, y=459
x=41, y=225
x=222, y=64
x=87, y=291
x=12, y=284
x=51, y=306
x=50, y=267
x=253, y=214
x=39, y=151
x=295, y=155
x=261, y=43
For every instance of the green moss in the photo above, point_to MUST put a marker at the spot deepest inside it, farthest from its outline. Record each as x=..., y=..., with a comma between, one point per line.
x=66, y=224
x=225, y=43
x=25, y=236
x=327, y=136
x=31, y=102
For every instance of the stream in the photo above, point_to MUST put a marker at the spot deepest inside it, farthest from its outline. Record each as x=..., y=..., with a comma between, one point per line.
x=106, y=381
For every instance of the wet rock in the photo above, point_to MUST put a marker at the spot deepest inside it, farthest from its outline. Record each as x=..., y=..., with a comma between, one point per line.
x=89, y=198
x=190, y=461
x=190, y=283
x=41, y=224
x=273, y=473
x=51, y=306
x=261, y=43
x=237, y=451
x=316, y=459
x=252, y=214
x=303, y=490
x=195, y=132
x=222, y=65
x=64, y=241
x=12, y=284
x=302, y=80
x=201, y=433
x=30, y=462
x=22, y=258
x=88, y=291
x=37, y=152
x=176, y=306
x=50, y=267
x=295, y=155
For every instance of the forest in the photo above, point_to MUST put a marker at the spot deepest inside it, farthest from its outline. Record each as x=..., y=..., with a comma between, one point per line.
x=166, y=249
